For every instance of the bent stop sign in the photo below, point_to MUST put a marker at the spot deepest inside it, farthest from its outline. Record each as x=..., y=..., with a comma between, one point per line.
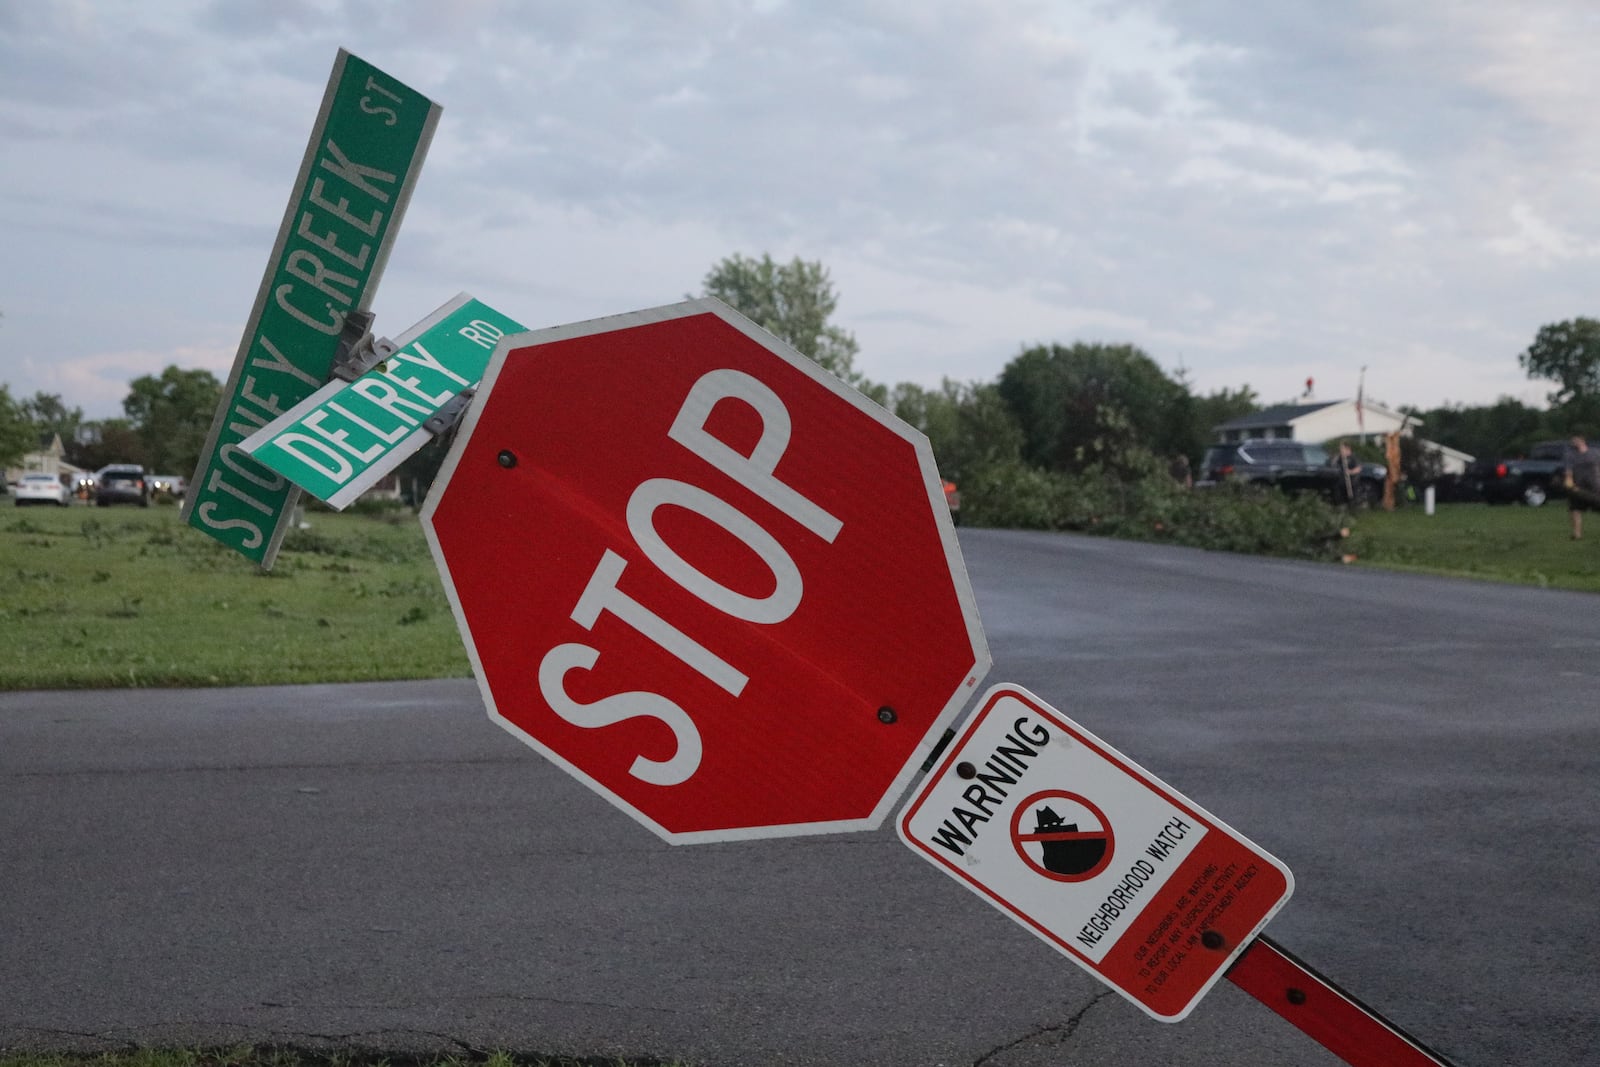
x=703, y=575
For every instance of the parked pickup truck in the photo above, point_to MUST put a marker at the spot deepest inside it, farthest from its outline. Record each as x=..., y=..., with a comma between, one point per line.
x=1293, y=466
x=1529, y=480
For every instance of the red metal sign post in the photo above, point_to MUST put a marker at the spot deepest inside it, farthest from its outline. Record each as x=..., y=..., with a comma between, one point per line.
x=1324, y=1012
x=1106, y=864
x=1125, y=876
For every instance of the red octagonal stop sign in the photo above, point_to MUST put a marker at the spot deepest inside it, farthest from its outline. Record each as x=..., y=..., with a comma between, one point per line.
x=703, y=575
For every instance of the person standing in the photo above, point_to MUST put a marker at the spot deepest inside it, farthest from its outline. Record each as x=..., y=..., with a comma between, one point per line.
x=1349, y=468
x=1583, y=482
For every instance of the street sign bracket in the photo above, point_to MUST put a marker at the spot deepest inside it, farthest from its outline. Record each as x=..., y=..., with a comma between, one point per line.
x=343, y=439
x=358, y=350
x=447, y=418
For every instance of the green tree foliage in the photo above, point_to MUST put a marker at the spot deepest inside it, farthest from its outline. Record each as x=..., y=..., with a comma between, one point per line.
x=171, y=414
x=793, y=301
x=418, y=471
x=50, y=415
x=1419, y=465
x=17, y=432
x=968, y=425
x=1568, y=354
x=1195, y=415
x=1133, y=497
x=1505, y=428
x=103, y=441
x=1203, y=412
x=1084, y=404
x=1072, y=437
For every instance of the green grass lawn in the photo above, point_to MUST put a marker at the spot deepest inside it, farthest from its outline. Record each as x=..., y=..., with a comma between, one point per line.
x=104, y=597
x=1525, y=546
x=132, y=597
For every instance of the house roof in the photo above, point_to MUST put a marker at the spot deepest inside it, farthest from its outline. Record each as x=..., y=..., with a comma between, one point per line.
x=1446, y=450
x=1278, y=416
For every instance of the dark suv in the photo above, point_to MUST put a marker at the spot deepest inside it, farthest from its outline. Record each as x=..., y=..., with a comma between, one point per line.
x=1529, y=480
x=1293, y=466
x=121, y=483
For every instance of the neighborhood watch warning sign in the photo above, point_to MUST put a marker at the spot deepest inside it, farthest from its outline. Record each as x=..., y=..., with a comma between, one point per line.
x=1134, y=881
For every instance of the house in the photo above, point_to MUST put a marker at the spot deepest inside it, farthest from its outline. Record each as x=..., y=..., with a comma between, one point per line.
x=1316, y=421
x=1330, y=419
x=47, y=458
x=1451, y=460
x=385, y=488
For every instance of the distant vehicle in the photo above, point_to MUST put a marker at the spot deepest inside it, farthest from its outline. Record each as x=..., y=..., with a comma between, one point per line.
x=1530, y=479
x=42, y=489
x=168, y=485
x=121, y=483
x=952, y=499
x=1293, y=466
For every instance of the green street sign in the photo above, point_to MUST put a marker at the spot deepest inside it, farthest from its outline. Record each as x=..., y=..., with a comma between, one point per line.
x=341, y=440
x=355, y=182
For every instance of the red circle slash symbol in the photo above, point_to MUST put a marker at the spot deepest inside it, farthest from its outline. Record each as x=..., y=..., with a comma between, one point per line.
x=1070, y=839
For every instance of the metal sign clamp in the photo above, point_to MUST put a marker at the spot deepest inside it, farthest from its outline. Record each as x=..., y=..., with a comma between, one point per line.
x=444, y=421
x=358, y=350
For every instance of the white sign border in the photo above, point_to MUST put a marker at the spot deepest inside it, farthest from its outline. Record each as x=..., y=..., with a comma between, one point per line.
x=982, y=660
x=396, y=455
x=241, y=359
x=994, y=897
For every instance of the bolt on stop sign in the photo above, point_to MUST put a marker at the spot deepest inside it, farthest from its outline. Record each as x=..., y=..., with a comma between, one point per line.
x=703, y=575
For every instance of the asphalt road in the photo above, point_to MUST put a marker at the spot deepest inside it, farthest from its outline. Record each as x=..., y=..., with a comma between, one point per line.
x=379, y=865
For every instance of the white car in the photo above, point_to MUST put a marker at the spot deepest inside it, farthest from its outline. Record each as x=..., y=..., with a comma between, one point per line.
x=42, y=489
x=168, y=485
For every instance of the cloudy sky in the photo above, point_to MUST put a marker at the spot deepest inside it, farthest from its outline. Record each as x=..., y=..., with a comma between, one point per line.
x=1255, y=193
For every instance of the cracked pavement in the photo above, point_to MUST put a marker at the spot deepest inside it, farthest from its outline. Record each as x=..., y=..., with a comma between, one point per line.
x=380, y=866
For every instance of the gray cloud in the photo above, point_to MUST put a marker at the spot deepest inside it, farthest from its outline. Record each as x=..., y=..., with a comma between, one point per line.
x=1261, y=192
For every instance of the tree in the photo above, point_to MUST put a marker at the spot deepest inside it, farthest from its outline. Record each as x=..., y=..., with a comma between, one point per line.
x=418, y=471
x=968, y=425
x=17, y=434
x=50, y=415
x=1505, y=428
x=1088, y=403
x=103, y=441
x=793, y=301
x=171, y=415
x=1200, y=413
x=1568, y=353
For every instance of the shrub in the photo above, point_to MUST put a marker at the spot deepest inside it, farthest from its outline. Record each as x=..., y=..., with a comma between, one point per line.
x=1132, y=496
x=1014, y=494
x=379, y=506
x=1241, y=518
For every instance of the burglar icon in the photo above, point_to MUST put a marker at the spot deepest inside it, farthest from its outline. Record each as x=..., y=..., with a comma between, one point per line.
x=1064, y=851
